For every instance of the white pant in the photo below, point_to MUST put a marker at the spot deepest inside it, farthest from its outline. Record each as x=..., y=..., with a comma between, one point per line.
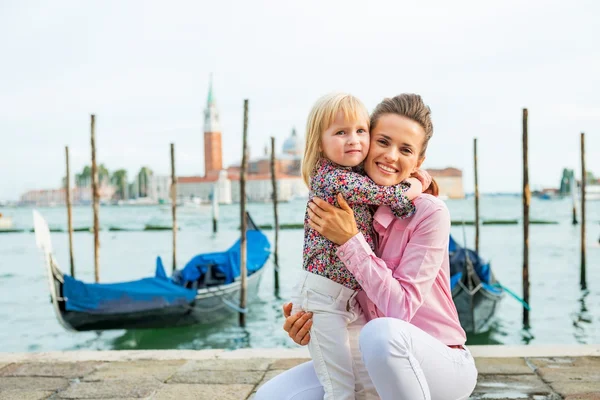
x=333, y=346
x=404, y=362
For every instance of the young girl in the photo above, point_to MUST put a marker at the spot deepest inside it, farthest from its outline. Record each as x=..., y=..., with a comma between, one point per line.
x=337, y=141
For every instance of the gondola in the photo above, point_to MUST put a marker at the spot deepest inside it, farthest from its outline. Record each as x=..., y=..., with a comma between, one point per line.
x=475, y=291
x=206, y=290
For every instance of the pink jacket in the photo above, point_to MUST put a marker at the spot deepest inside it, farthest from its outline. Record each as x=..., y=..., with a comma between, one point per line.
x=410, y=279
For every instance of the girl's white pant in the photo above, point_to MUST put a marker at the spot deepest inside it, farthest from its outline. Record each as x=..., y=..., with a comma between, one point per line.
x=333, y=346
x=404, y=363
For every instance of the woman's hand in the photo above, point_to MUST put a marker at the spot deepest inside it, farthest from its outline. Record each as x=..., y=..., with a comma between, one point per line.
x=336, y=224
x=298, y=325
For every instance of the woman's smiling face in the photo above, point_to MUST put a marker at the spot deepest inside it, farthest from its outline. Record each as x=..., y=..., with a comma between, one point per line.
x=395, y=153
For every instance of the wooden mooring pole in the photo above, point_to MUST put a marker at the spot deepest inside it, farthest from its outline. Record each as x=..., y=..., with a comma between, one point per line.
x=476, y=196
x=582, y=279
x=69, y=211
x=526, y=202
x=95, y=203
x=244, y=222
x=174, y=205
x=275, y=199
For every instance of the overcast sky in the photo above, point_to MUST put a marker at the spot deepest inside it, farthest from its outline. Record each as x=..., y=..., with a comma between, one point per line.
x=143, y=68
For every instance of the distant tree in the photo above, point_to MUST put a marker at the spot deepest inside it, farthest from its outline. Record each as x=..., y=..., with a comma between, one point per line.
x=144, y=181
x=103, y=175
x=119, y=180
x=590, y=178
x=84, y=179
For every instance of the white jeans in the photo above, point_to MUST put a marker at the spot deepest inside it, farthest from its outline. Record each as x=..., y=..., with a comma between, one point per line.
x=333, y=346
x=404, y=362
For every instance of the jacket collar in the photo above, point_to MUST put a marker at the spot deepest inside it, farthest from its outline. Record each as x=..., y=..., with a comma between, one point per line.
x=383, y=217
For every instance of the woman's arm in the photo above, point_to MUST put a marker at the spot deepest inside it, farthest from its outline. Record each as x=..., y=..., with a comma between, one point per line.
x=397, y=290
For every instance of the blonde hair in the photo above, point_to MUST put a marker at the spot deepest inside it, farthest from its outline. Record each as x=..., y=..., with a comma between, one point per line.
x=321, y=116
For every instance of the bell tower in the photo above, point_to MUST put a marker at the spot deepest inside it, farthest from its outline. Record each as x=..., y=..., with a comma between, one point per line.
x=213, y=153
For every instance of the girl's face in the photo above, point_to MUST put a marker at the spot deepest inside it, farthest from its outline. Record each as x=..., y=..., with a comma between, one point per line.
x=345, y=142
x=396, y=143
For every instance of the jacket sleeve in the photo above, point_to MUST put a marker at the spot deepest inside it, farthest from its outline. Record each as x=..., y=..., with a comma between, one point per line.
x=360, y=189
x=399, y=290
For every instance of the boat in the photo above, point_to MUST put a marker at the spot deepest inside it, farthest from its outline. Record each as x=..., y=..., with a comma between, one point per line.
x=475, y=291
x=206, y=290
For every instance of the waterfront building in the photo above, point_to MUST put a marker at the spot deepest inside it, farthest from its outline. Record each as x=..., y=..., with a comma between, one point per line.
x=450, y=182
x=161, y=188
x=57, y=197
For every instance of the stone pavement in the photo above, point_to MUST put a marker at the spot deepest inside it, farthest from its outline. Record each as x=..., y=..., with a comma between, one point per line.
x=505, y=372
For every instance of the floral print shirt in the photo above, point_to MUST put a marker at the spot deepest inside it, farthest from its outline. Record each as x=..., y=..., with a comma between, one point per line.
x=360, y=193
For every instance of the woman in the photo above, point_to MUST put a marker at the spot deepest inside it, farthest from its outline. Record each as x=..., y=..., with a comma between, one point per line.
x=413, y=345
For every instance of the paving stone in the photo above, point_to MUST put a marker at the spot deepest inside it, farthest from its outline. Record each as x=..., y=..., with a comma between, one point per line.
x=110, y=389
x=203, y=392
x=588, y=396
x=160, y=370
x=560, y=362
x=25, y=395
x=573, y=388
x=270, y=375
x=218, y=377
x=32, y=384
x=502, y=366
x=60, y=369
x=287, y=363
x=551, y=362
x=257, y=364
x=511, y=387
x=569, y=374
x=587, y=362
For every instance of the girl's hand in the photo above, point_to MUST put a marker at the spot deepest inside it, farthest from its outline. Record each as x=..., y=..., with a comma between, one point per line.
x=298, y=325
x=423, y=177
x=336, y=224
x=416, y=188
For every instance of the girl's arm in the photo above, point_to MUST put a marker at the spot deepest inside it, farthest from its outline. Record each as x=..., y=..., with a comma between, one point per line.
x=416, y=188
x=399, y=290
x=360, y=189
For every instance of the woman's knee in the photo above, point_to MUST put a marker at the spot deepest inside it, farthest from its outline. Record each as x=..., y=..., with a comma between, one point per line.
x=267, y=391
x=298, y=383
x=382, y=335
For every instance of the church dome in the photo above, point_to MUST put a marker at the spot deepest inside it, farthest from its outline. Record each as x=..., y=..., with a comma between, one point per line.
x=293, y=145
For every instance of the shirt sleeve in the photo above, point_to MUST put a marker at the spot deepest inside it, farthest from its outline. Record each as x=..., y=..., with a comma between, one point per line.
x=399, y=290
x=360, y=189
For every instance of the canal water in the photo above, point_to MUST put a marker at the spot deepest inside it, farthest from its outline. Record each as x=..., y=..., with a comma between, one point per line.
x=561, y=312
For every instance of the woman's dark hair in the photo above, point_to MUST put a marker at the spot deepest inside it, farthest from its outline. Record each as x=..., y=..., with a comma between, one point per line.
x=433, y=188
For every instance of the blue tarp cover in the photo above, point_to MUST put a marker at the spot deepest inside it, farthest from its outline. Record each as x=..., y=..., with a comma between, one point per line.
x=228, y=262
x=125, y=297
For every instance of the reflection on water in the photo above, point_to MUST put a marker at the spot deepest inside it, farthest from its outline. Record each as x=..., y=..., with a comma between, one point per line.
x=582, y=319
x=527, y=335
x=493, y=336
x=224, y=334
